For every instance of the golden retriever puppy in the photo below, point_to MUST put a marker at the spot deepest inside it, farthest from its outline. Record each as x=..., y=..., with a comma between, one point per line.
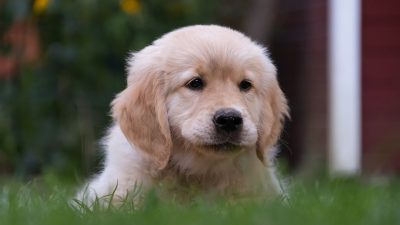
x=202, y=110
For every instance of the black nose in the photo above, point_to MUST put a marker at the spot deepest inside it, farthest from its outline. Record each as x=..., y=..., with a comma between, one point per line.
x=227, y=119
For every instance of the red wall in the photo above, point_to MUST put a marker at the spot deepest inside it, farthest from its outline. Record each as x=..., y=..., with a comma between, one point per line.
x=381, y=85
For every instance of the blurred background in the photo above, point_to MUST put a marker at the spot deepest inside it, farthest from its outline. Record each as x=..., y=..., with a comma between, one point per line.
x=62, y=62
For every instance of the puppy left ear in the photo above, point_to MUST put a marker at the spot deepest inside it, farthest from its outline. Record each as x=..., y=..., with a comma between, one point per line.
x=272, y=119
x=141, y=113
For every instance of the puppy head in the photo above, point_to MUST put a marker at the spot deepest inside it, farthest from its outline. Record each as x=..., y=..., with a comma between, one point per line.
x=206, y=89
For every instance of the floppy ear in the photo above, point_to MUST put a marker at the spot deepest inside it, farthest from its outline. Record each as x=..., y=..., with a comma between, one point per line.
x=275, y=110
x=141, y=113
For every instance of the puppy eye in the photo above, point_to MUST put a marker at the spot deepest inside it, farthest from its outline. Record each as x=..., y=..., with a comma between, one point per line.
x=245, y=85
x=195, y=84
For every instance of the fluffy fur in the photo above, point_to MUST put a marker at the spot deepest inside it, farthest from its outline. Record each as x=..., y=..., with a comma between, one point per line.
x=164, y=132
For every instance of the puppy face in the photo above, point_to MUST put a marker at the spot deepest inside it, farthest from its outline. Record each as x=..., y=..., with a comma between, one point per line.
x=206, y=89
x=216, y=110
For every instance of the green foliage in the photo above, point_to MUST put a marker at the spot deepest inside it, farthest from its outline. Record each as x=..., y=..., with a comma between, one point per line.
x=48, y=201
x=52, y=113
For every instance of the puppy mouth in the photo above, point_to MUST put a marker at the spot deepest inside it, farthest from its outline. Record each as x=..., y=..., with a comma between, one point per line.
x=224, y=147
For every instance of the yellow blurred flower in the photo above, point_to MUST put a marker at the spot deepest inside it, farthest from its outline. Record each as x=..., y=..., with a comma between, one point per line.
x=131, y=7
x=40, y=6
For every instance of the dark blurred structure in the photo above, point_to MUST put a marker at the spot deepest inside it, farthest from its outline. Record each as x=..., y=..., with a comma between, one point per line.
x=61, y=63
x=380, y=86
x=301, y=43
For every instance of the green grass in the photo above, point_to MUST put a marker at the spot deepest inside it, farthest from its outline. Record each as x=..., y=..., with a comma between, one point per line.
x=324, y=202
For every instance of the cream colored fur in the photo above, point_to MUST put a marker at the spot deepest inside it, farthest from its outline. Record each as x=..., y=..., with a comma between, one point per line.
x=163, y=130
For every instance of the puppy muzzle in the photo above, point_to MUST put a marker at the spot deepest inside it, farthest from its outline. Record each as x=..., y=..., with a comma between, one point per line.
x=228, y=124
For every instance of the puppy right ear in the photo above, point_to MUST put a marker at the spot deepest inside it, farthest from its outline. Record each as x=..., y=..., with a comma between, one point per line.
x=272, y=119
x=141, y=113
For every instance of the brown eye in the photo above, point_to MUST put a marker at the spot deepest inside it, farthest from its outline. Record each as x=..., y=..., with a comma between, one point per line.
x=195, y=84
x=245, y=85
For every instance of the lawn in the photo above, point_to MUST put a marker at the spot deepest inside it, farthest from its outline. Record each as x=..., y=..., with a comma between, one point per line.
x=46, y=201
